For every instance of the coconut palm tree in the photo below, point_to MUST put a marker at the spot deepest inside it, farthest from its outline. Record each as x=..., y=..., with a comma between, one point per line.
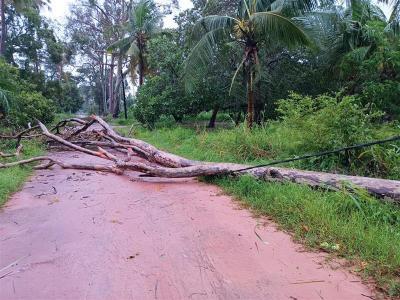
x=342, y=30
x=20, y=5
x=258, y=23
x=144, y=22
x=394, y=18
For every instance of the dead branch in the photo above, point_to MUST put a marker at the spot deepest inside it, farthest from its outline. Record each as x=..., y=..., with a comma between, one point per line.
x=152, y=153
x=64, y=123
x=69, y=144
x=80, y=130
x=19, y=136
x=16, y=154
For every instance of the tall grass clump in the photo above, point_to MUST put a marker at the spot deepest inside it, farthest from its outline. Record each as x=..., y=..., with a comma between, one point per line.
x=11, y=179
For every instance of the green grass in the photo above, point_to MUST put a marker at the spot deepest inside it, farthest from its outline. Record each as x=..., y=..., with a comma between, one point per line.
x=11, y=179
x=361, y=229
x=357, y=227
x=274, y=142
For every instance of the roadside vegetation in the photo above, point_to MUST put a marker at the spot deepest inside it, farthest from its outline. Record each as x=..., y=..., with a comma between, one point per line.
x=11, y=179
x=236, y=81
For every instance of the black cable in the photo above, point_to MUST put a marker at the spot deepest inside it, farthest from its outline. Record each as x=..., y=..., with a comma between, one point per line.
x=395, y=138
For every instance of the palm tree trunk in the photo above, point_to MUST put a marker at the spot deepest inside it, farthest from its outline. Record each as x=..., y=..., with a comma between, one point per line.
x=250, y=99
x=141, y=63
x=3, y=27
x=141, y=70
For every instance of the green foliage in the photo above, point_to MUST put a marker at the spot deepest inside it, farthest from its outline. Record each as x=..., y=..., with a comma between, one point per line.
x=383, y=96
x=351, y=225
x=163, y=93
x=11, y=179
x=65, y=94
x=31, y=106
x=157, y=98
x=324, y=123
x=367, y=234
x=25, y=104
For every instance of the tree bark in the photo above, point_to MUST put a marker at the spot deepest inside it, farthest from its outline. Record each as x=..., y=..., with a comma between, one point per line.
x=163, y=164
x=116, y=108
x=104, y=82
x=111, y=96
x=3, y=27
x=141, y=61
x=124, y=95
x=250, y=100
x=211, y=124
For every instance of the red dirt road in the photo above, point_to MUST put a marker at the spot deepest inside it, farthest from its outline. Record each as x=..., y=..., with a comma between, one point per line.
x=80, y=235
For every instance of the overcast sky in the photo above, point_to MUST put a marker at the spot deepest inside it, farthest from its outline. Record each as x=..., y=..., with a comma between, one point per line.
x=59, y=10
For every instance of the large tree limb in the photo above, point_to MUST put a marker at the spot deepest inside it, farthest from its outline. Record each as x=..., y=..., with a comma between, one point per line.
x=152, y=153
x=69, y=144
x=163, y=164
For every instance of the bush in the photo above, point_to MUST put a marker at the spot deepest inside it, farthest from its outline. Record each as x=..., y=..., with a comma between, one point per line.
x=21, y=102
x=325, y=123
x=382, y=95
x=31, y=106
x=157, y=98
x=307, y=125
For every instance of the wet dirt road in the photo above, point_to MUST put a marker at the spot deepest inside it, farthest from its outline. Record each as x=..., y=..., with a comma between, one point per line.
x=86, y=235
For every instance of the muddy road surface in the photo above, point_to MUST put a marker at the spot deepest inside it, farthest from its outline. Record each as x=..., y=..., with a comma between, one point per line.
x=85, y=235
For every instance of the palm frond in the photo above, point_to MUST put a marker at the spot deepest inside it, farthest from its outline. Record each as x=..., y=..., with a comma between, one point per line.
x=236, y=73
x=210, y=23
x=121, y=45
x=277, y=27
x=295, y=7
x=202, y=54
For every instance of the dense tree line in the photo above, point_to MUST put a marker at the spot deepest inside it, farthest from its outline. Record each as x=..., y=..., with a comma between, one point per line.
x=238, y=57
x=34, y=81
x=241, y=57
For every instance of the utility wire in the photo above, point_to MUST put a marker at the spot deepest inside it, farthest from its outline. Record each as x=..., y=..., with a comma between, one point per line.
x=358, y=146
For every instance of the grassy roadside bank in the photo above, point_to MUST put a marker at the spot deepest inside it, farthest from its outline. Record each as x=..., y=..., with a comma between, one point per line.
x=356, y=227
x=11, y=179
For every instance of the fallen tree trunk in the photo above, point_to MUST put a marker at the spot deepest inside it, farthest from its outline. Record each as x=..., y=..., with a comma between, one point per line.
x=163, y=164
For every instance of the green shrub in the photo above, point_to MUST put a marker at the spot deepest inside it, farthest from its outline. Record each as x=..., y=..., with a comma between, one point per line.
x=31, y=106
x=382, y=95
x=21, y=103
x=325, y=123
x=307, y=125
